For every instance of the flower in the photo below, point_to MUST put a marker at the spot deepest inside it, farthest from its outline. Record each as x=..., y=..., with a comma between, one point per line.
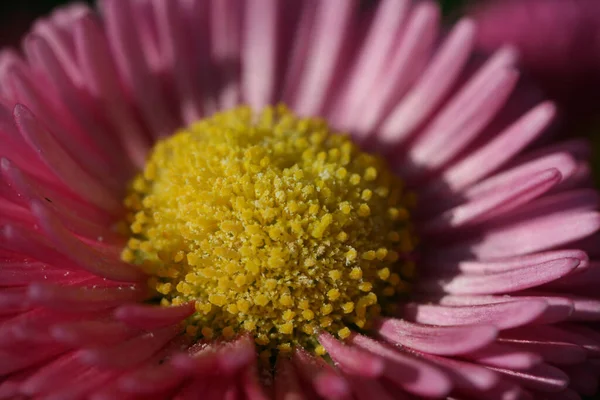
x=503, y=300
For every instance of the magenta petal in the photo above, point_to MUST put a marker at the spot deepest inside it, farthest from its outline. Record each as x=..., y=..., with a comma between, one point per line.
x=259, y=54
x=332, y=22
x=84, y=298
x=558, y=307
x=553, y=352
x=151, y=379
x=463, y=117
x=320, y=375
x=441, y=340
x=413, y=375
x=10, y=387
x=251, y=385
x=350, y=358
x=287, y=383
x=112, y=166
x=501, y=282
x=543, y=377
x=100, y=75
x=130, y=352
x=151, y=317
x=54, y=375
x=466, y=377
x=494, y=203
x=192, y=390
x=373, y=59
x=407, y=62
x=87, y=382
x=127, y=50
x=224, y=357
x=432, y=86
x=581, y=279
x=368, y=389
x=502, y=315
x=62, y=164
x=548, y=333
x=18, y=358
x=13, y=300
x=503, y=355
x=91, y=333
x=507, y=264
x=89, y=259
x=497, y=151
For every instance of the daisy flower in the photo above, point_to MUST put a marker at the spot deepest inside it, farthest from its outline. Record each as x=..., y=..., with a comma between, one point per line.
x=259, y=199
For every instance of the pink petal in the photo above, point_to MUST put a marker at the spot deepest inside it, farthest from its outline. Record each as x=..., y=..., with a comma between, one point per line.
x=549, y=333
x=62, y=164
x=558, y=353
x=503, y=355
x=259, y=53
x=466, y=377
x=91, y=260
x=413, y=375
x=91, y=333
x=151, y=317
x=151, y=379
x=408, y=60
x=100, y=76
x=127, y=50
x=371, y=59
x=130, y=352
x=350, y=358
x=287, y=383
x=502, y=315
x=321, y=376
x=508, y=264
x=558, y=308
x=224, y=357
x=501, y=282
x=493, y=203
x=251, y=385
x=466, y=114
x=543, y=377
x=441, y=340
x=225, y=35
x=497, y=151
x=329, y=31
x=80, y=112
x=84, y=298
x=16, y=359
x=368, y=389
x=432, y=86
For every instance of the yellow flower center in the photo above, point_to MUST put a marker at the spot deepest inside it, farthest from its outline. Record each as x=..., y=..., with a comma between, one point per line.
x=272, y=225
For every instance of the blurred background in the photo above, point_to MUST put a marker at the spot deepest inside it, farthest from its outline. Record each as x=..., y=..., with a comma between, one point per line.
x=16, y=16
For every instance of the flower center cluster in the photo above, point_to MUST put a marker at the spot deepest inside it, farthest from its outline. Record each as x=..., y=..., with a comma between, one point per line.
x=272, y=225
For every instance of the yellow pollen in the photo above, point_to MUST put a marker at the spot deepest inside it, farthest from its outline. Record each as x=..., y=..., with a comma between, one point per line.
x=272, y=225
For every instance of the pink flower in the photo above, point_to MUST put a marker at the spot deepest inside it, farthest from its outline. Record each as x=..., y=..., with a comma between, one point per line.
x=505, y=297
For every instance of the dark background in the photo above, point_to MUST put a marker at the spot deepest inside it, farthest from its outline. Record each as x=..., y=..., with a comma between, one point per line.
x=16, y=16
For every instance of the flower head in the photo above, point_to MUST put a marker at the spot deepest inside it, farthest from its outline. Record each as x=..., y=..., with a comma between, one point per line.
x=182, y=215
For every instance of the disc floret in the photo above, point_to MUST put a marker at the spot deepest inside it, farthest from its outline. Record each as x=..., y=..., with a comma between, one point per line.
x=272, y=225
